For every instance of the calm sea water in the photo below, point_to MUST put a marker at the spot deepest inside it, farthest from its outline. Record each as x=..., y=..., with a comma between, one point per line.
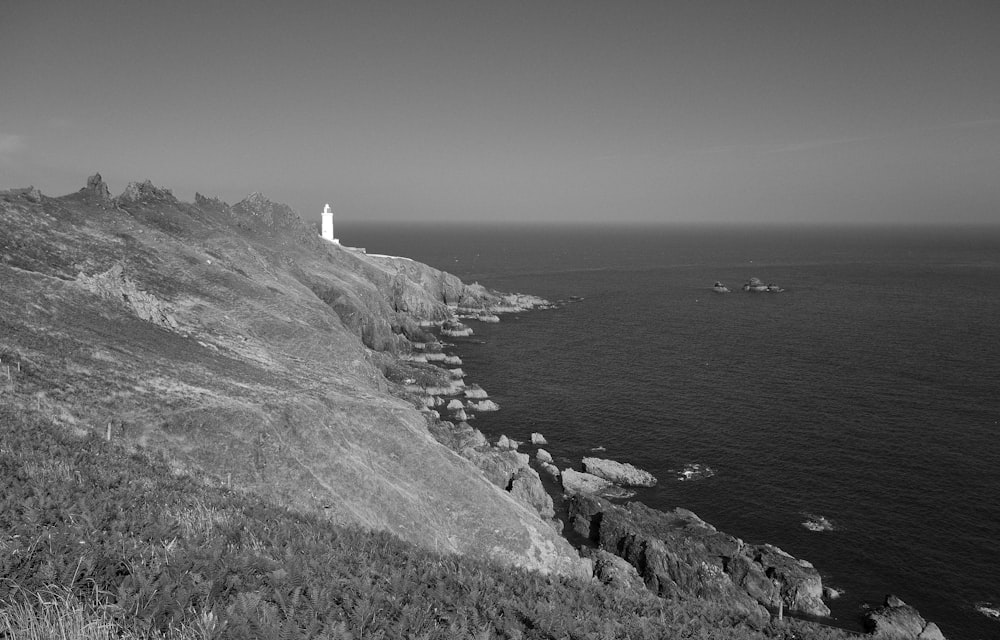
x=868, y=392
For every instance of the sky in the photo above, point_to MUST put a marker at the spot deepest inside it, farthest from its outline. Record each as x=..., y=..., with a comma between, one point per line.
x=763, y=111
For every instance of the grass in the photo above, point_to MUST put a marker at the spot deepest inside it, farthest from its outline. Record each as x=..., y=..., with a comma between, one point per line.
x=101, y=542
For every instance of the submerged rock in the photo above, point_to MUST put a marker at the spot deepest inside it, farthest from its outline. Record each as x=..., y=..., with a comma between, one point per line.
x=619, y=472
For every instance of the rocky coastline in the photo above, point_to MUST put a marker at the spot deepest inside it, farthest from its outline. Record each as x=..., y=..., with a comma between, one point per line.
x=674, y=554
x=263, y=348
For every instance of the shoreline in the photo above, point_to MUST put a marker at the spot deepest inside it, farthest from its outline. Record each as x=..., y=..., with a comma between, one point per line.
x=872, y=617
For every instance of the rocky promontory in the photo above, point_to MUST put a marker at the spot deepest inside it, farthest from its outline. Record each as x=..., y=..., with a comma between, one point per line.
x=235, y=342
x=676, y=553
x=245, y=351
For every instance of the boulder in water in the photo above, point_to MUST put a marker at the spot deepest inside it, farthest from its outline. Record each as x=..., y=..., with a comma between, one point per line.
x=483, y=405
x=620, y=473
x=897, y=620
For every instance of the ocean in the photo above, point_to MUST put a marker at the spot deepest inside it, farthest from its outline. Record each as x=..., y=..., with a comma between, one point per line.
x=851, y=420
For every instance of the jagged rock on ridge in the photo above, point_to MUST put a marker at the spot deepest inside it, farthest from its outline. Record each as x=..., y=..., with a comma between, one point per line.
x=146, y=192
x=97, y=188
x=31, y=194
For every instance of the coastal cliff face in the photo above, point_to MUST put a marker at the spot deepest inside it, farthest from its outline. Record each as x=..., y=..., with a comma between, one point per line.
x=239, y=344
x=677, y=554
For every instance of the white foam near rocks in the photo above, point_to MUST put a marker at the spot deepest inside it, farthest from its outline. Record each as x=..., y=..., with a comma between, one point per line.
x=483, y=405
x=695, y=471
x=815, y=522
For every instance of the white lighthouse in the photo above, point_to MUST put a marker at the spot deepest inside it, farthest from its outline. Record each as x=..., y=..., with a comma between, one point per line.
x=328, y=225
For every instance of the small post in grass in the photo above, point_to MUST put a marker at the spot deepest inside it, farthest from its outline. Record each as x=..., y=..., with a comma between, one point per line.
x=109, y=432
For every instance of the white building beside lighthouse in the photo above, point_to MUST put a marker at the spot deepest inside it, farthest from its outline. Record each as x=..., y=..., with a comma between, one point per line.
x=328, y=225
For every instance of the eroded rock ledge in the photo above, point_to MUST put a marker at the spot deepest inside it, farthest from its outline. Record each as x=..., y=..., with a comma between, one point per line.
x=676, y=553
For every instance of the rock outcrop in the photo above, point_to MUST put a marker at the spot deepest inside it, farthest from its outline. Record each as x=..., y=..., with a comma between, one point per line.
x=613, y=570
x=896, y=620
x=115, y=285
x=677, y=553
x=579, y=483
x=142, y=192
x=620, y=473
x=756, y=285
x=97, y=188
x=31, y=194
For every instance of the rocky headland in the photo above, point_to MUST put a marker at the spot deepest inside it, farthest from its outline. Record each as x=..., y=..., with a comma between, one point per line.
x=242, y=347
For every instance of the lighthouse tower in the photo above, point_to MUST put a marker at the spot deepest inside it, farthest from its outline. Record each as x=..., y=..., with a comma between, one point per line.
x=328, y=225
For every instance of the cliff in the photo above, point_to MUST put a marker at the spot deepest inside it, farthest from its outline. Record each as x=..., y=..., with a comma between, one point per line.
x=270, y=392
x=238, y=343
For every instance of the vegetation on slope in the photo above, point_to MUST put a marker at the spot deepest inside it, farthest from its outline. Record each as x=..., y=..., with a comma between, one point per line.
x=110, y=543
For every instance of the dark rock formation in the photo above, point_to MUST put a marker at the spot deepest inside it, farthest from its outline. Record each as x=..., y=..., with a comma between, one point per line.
x=613, y=571
x=677, y=554
x=756, y=285
x=257, y=210
x=896, y=620
x=143, y=192
x=97, y=188
x=31, y=194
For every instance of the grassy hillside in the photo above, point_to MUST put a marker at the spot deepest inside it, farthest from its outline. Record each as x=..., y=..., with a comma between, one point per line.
x=244, y=347
x=118, y=544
